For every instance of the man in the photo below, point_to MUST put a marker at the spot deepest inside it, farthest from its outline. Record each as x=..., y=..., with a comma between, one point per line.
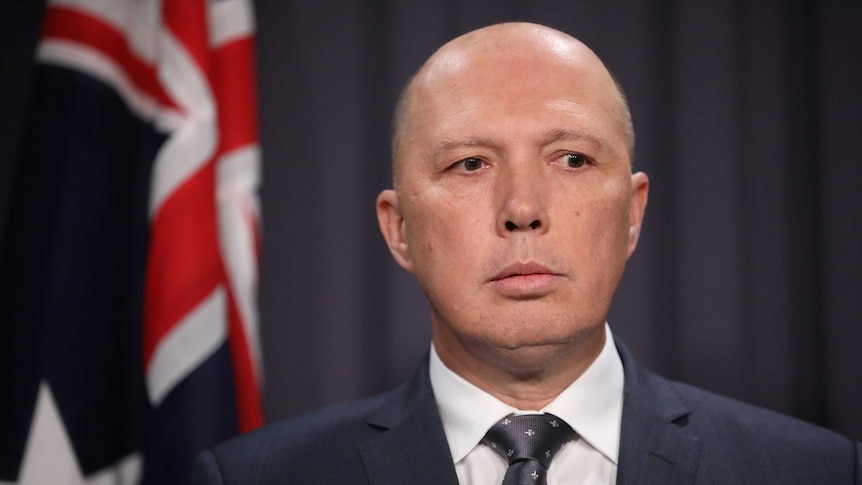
x=515, y=206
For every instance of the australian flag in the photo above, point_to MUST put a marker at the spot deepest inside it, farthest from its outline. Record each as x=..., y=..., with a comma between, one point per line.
x=128, y=275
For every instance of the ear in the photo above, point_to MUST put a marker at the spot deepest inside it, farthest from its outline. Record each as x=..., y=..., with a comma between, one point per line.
x=392, y=225
x=637, y=207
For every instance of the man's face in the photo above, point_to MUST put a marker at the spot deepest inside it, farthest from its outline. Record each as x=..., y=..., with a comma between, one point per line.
x=515, y=206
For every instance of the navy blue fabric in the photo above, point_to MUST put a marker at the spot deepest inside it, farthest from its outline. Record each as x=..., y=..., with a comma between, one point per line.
x=369, y=441
x=198, y=412
x=72, y=270
x=72, y=274
x=671, y=434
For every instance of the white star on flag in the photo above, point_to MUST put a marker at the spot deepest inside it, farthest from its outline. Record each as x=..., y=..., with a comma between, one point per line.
x=49, y=457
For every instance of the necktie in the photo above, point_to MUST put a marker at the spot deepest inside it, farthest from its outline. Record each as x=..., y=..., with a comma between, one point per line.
x=528, y=442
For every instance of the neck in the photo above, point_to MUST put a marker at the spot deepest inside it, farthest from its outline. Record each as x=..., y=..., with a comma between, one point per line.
x=526, y=378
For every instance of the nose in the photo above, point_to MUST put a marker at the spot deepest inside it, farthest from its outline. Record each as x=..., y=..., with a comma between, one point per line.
x=522, y=203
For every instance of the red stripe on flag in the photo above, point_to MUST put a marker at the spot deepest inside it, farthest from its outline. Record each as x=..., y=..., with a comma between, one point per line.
x=234, y=89
x=187, y=22
x=72, y=25
x=184, y=264
x=248, y=405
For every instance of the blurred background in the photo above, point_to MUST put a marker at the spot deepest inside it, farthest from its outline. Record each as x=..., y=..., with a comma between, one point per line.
x=748, y=277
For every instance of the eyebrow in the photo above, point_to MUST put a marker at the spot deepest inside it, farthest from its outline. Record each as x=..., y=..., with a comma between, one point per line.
x=563, y=134
x=551, y=136
x=447, y=145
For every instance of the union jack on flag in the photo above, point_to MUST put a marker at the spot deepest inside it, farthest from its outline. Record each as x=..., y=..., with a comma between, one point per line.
x=129, y=337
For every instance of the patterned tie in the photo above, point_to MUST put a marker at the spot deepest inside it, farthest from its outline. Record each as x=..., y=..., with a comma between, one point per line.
x=529, y=443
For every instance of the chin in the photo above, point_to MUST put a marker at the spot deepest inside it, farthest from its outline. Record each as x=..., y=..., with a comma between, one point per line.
x=533, y=352
x=539, y=337
x=529, y=360
x=553, y=329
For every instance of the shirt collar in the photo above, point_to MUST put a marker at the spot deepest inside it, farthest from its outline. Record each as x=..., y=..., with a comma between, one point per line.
x=591, y=405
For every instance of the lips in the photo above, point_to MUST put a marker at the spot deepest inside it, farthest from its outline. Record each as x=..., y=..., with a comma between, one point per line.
x=525, y=280
x=522, y=269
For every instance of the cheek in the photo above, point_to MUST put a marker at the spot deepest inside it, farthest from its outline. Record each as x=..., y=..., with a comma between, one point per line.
x=451, y=219
x=445, y=259
x=601, y=224
x=441, y=235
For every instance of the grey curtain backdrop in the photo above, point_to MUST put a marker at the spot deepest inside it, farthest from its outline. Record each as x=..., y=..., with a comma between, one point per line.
x=748, y=115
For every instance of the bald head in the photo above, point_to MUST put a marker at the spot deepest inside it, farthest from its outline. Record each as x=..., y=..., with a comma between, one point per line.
x=525, y=46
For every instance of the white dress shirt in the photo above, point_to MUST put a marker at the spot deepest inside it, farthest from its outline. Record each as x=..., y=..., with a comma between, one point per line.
x=592, y=406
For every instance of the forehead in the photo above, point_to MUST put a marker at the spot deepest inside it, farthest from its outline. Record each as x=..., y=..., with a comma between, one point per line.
x=541, y=85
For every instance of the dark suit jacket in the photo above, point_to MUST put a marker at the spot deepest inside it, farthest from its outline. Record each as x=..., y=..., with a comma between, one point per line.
x=671, y=434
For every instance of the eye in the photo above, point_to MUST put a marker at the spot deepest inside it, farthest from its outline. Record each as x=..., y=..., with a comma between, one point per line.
x=470, y=164
x=575, y=160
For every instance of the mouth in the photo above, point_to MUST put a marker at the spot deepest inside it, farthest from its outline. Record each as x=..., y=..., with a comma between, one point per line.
x=522, y=269
x=525, y=280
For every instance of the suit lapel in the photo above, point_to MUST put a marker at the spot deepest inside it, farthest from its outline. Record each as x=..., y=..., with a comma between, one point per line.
x=656, y=446
x=413, y=448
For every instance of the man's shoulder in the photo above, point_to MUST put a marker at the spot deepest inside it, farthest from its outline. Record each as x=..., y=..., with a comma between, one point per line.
x=728, y=417
x=724, y=439
x=337, y=423
x=345, y=420
x=303, y=448
x=327, y=445
x=740, y=441
x=716, y=415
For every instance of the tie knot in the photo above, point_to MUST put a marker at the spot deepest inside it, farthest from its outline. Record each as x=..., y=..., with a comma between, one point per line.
x=528, y=437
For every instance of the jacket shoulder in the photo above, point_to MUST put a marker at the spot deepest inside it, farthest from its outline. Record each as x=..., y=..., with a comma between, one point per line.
x=317, y=447
x=728, y=418
x=757, y=442
x=722, y=440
